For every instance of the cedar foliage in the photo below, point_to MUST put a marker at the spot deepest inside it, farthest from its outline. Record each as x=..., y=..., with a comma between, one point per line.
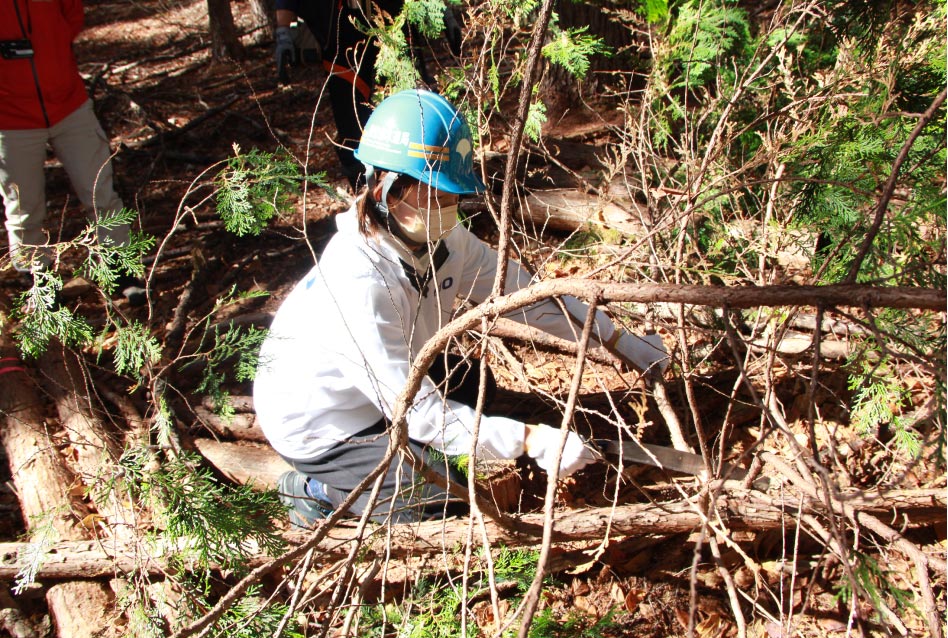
x=742, y=134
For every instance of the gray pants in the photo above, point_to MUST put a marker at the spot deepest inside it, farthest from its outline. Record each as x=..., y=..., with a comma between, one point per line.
x=404, y=496
x=83, y=148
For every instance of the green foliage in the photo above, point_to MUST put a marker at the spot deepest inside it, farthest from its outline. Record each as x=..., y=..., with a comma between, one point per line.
x=425, y=15
x=703, y=37
x=106, y=262
x=654, y=10
x=251, y=617
x=394, y=66
x=574, y=625
x=134, y=349
x=41, y=318
x=876, y=581
x=536, y=118
x=701, y=46
x=209, y=523
x=460, y=462
x=164, y=422
x=257, y=186
x=518, y=12
x=516, y=565
x=585, y=241
x=842, y=165
x=433, y=609
x=40, y=315
x=231, y=354
x=572, y=49
x=850, y=150
x=878, y=397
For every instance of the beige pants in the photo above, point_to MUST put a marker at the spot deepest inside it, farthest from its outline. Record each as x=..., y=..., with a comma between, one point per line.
x=83, y=148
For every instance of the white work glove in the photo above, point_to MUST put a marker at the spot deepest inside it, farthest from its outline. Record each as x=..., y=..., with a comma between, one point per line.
x=543, y=442
x=646, y=353
x=284, y=45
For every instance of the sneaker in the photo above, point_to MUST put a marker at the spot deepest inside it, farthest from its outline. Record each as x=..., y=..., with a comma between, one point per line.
x=133, y=289
x=296, y=491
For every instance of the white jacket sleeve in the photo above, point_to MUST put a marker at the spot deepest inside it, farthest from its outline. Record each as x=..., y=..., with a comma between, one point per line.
x=480, y=271
x=376, y=357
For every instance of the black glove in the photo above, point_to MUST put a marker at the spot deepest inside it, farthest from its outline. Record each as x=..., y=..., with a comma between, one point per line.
x=452, y=31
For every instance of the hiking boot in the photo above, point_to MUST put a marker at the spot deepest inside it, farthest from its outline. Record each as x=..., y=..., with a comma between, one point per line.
x=305, y=497
x=133, y=289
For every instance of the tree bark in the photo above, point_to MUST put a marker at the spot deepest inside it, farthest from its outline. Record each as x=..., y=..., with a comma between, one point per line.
x=81, y=608
x=41, y=479
x=742, y=510
x=561, y=90
x=224, y=40
x=243, y=425
x=244, y=462
x=44, y=488
x=263, y=19
x=569, y=210
x=96, y=449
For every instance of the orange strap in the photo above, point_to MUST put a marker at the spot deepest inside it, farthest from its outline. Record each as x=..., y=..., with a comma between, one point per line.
x=349, y=76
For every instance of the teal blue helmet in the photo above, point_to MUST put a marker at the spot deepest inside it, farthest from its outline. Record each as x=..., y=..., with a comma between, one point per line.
x=420, y=134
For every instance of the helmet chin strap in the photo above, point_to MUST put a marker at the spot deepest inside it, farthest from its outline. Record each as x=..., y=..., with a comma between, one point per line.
x=371, y=180
x=381, y=206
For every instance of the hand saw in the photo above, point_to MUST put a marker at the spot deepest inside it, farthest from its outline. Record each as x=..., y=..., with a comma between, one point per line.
x=661, y=456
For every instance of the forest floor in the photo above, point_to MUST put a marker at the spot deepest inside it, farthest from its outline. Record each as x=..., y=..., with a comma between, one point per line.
x=175, y=117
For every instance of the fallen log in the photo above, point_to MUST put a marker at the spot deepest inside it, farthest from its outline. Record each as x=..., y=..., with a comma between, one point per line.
x=569, y=210
x=44, y=487
x=242, y=426
x=244, y=461
x=95, y=448
x=741, y=509
x=42, y=481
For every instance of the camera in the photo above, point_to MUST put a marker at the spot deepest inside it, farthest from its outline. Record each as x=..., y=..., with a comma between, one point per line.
x=16, y=49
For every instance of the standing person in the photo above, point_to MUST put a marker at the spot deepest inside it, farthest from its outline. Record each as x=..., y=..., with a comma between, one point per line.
x=342, y=344
x=43, y=100
x=349, y=57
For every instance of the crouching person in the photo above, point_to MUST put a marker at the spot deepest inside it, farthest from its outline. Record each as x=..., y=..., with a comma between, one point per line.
x=342, y=344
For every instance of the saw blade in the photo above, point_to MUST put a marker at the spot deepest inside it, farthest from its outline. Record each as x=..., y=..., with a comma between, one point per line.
x=661, y=456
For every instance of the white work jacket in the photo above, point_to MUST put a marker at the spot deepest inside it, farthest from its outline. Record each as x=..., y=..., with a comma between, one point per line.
x=342, y=343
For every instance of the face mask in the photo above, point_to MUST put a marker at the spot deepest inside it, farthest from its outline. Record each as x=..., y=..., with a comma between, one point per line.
x=440, y=221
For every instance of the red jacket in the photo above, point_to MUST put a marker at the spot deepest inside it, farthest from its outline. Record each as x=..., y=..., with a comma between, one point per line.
x=40, y=91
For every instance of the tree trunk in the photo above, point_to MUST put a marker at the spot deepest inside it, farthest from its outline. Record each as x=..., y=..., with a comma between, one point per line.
x=79, y=609
x=224, y=40
x=39, y=474
x=561, y=90
x=263, y=20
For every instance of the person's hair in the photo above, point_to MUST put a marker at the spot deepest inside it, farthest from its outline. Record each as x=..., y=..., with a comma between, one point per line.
x=367, y=208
